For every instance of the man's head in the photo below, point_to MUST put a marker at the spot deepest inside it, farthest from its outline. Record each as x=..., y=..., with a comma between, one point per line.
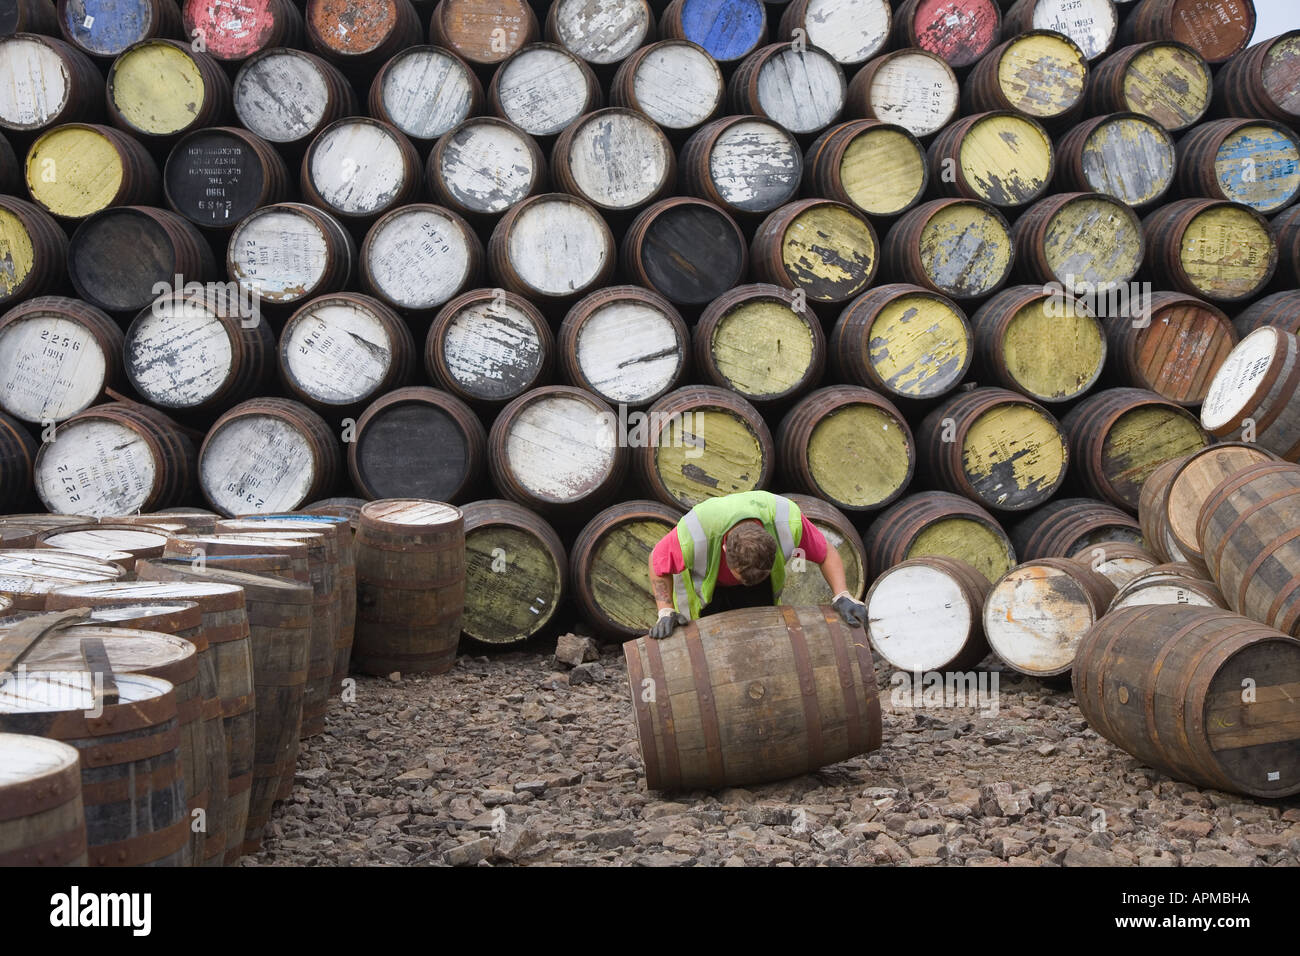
x=750, y=551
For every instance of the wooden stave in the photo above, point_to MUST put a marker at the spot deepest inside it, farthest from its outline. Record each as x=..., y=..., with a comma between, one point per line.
x=1281, y=309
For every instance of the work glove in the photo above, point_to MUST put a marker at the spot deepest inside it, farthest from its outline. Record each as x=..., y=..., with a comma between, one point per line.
x=852, y=613
x=667, y=623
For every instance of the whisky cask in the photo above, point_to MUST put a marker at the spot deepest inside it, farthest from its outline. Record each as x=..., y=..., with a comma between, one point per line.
x=804, y=583
x=489, y=348
x=1174, y=346
x=688, y=250
x=425, y=91
x=34, y=248
x=913, y=88
x=28, y=16
x=42, y=817
x=1084, y=241
x=602, y=32
x=1261, y=81
x=674, y=82
x=103, y=539
x=801, y=88
x=485, y=166
x=926, y=614
x=215, y=177
x=1253, y=395
x=1000, y=157
x=28, y=575
x=1071, y=527
x=1117, y=561
x=1210, y=248
x=1175, y=583
x=233, y=30
x=542, y=88
x=1125, y=155
x=744, y=164
x=359, y=168
x=57, y=356
x=960, y=31
x=78, y=169
x=287, y=96
x=552, y=248
x=960, y=248
x=359, y=36
x=46, y=81
x=1163, y=79
x=1281, y=310
x=1249, y=161
x=1216, y=29
x=851, y=31
x=616, y=159
x=1038, y=73
x=483, y=32
x=1286, y=233
x=417, y=257
x=878, y=168
x=515, y=572
x=943, y=524
x=728, y=30
x=158, y=89
x=1090, y=24
x=104, y=31
x=828, y=250
x=290, y=252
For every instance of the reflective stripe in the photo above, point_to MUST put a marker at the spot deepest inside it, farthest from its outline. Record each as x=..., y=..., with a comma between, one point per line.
x=699, y=546
x=680, y=596
x=783, y=527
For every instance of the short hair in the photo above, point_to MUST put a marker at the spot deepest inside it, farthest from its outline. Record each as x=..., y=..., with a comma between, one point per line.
x=750, y=553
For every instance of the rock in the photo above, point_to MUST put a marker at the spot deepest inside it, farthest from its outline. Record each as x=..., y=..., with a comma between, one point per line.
x=416, y=779
x=395, y=677
x=573, y=650
x=735, y=861
x=1081, y=854
x=922, y=827
x=1214, y=858
x=1190, y=829
x=514, y=841
x=926, y=846
x=586, y=674
x=830, y=839
x=469, y=854
x=1000, y=800
x=531, y=786
x=613, y=837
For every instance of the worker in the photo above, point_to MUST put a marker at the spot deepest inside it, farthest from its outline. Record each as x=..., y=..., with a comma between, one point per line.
x=732, y=552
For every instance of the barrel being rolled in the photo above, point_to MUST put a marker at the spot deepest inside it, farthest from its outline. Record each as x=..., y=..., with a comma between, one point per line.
x=410, y=586
x=42, y=817
x=799, y=692
x=516, y=572
x=609, y=566
x=1166, y=684
x=925, y=615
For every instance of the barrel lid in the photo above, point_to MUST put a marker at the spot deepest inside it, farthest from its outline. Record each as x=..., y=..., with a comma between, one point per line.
x=129, y=649
x=1035, y=616
x=411, y=512
x=35, y=691
x=26, y=757
x=293, y=519
x=251, y=539
x=251, y=583
x=130, y=611
x=149, y=590
x=919, y=617
x=1238, y=385
x=105, y=539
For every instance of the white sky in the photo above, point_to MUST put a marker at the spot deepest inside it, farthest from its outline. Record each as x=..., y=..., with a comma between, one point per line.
x=1275, y=16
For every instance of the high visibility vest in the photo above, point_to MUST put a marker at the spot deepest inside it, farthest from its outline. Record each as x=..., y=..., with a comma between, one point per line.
x=700, y=534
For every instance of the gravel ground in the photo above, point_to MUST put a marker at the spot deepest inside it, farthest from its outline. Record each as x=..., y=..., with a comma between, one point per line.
x=515, y=759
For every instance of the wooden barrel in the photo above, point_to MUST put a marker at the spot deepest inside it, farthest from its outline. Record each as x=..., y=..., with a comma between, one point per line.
x=995, y=447
x=217, y=607
x=1281, y=310
x=489, y=346
x=1117, y=561
x=759, y=340
x=1069, y=527
x=847, y=445
x=417, y=442
x=1001, y=158
x=410, y=586
x=172, y=520
x=1036, y=614
x=608, y=567
x=902, y=340
x=338, y=352
x=132, y=541
x=960, y=248
x=1124, y=155
x=113, y=459
x=28, y=16
x=197, y=353
x=42, y=817
x=18, y=453
x=911, y=87
x=131, y=780
x=1045, y=343
x=267, y=454
x=616, y=159
x=674, y=82
x=105, y=31
x=1119, y=436
x=361, y=37
x=78, y=169
x=1163, y=79
x=552, y=248
x=1153, y=511
x=728, y=30
x=288, y=96
x=542, y=88
x=878, y=168
x=1037, y=73
x=290, y=252
x=57, y=355
x=34, y=251
x=804, y=583
x=960, y=31
x=515, y=572
x=1253, y=395
x=1079, y=241
x=602, y=32
x=626, y=344
x=159, y=89
x=800, y=87
x=227, y=633
x=347, y=508
x=1249, y=161
x=1210, y=248
x=926, y=614
x=939, y=523
x=1165, y=684
x=1175, y=583
x=27, y=575
x=485, y=166
x=1090, y=24
x=1216, y=29
x=826, y=249
x=234, y=30
x=1174, y=347
x=425, y=91
x=1261, y=81
x=851, y=32
x=151, y=654
x=1286, y=233
x=46, y=82
x=484, y=32
x=168, y=247
x=1248, y=541
x=359, y=168
x=556, y=448
x=799, y=693
x=702, y=442
x=747, y=165
x=215, y=177
x=265, y=555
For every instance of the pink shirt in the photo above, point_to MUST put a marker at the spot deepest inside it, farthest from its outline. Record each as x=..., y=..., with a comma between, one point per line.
x=666, y=558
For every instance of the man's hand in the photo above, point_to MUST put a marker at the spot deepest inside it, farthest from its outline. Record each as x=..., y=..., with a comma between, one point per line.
x=670, y=621
x=853, y=613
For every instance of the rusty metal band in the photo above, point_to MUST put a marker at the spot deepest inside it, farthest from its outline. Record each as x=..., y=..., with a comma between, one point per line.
x=708, y=706
x=145, y=848
x=190, y=710
x=672, y=769
x=237, y=706
x=67, y=848
x=199, y=800
x=211, y=708
x=1248, y=575
x=1224, y=493
x=1203, y=760
x=38, y=794
x=226, y=633
x=852, y=714
x=286, y=679
x=1157, y=665
x=807, y=687
x=237, y=785
x=116, y=750
x=133, y=783
x=644, y=727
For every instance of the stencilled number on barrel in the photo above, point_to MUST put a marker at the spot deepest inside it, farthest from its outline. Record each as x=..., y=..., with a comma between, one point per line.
x=648, y=690
x=499, y=560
